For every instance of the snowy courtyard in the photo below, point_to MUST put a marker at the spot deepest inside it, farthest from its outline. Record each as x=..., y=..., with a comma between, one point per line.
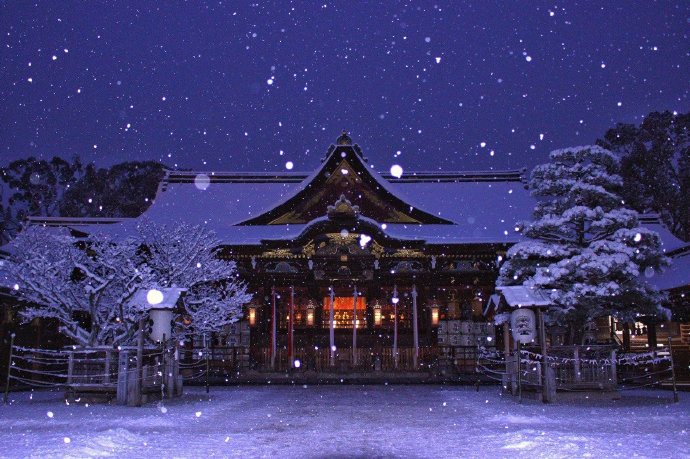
x=348, y=421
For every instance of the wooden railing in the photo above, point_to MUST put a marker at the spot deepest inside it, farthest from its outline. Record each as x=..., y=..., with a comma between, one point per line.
x=685, y=333
x=382, y=359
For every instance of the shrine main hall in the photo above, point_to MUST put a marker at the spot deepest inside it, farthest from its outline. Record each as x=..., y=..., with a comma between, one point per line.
x=350, y=269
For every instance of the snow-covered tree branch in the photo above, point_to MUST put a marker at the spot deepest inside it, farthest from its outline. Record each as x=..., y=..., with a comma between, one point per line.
x=187, y=256
x=87, y=283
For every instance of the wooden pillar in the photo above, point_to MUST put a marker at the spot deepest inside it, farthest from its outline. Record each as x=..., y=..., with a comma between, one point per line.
x=122, y=374
x=651, y=335
x=140, y=360
x=415, y=327
x=331, y=328
x=626, y=336
x=106, y=373
x=508, y=380
x=273, y=329
x=546, y=392
x=291, y=356
x=354, y=330
x=395, y=300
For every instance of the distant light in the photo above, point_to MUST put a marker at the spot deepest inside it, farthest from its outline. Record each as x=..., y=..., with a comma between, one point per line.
x=154, y=296
x=269, y=81
x=638, y=237
x=438, y=60
x=528, y=58
x=396, y=171
x=298, y=364
x=15, y=286
x=289, y=165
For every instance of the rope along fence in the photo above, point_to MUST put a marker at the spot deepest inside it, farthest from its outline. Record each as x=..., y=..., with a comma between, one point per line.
x=96, y=371
x=585, y=369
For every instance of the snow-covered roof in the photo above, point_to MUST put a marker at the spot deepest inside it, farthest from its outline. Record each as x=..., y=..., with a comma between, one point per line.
x=469, y=207
x=484, y=210
x=521, y=296
x=675, y=276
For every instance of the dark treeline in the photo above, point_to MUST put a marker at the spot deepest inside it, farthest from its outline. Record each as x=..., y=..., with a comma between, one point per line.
x=37, y=187
x=655, y=165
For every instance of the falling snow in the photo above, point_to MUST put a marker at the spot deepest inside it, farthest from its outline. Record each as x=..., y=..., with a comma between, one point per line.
x=235, y=81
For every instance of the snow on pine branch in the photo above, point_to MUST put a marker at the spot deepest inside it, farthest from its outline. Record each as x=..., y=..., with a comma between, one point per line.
x=584, y=246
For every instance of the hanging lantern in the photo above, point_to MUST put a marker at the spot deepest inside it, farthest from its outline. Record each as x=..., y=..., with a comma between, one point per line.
x=377, y=314
x=252, y=316
x=310, y=313
x=434, y=314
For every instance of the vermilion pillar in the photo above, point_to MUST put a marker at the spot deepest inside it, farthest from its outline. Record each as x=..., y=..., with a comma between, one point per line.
x=291, y=357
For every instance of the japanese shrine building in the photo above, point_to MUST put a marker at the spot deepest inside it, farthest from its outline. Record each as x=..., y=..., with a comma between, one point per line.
x=401, y=267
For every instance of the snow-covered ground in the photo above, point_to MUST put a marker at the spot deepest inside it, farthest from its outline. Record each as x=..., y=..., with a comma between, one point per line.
x=346, y=421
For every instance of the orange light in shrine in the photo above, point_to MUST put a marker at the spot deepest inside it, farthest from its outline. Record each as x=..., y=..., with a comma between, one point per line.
x=434, y=314
x=252, y=316
x=310, y=313
x=377, y=314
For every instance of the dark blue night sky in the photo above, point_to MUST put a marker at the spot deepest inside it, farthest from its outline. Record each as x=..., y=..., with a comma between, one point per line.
x=229, y=85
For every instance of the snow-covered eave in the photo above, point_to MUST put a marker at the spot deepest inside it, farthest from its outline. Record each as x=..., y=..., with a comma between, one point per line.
x=74, y=221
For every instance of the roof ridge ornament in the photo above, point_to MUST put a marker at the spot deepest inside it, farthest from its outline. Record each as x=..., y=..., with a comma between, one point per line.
x=344, y=139
x=343, y=209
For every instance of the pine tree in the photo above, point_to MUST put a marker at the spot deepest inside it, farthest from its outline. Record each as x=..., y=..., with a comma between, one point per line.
x=655, y=160
x=584, y=246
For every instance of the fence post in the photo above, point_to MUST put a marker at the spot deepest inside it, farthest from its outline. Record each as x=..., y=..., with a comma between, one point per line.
x=163, y=367
x=122, y=373
x=70, y=367
x=576, y=363
x=9, y=367
x=614, y=370
x=106, y=373
x=207, y=363
x=476, y=367
x=673, y=371
x=519, y=372
x=140, y=362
